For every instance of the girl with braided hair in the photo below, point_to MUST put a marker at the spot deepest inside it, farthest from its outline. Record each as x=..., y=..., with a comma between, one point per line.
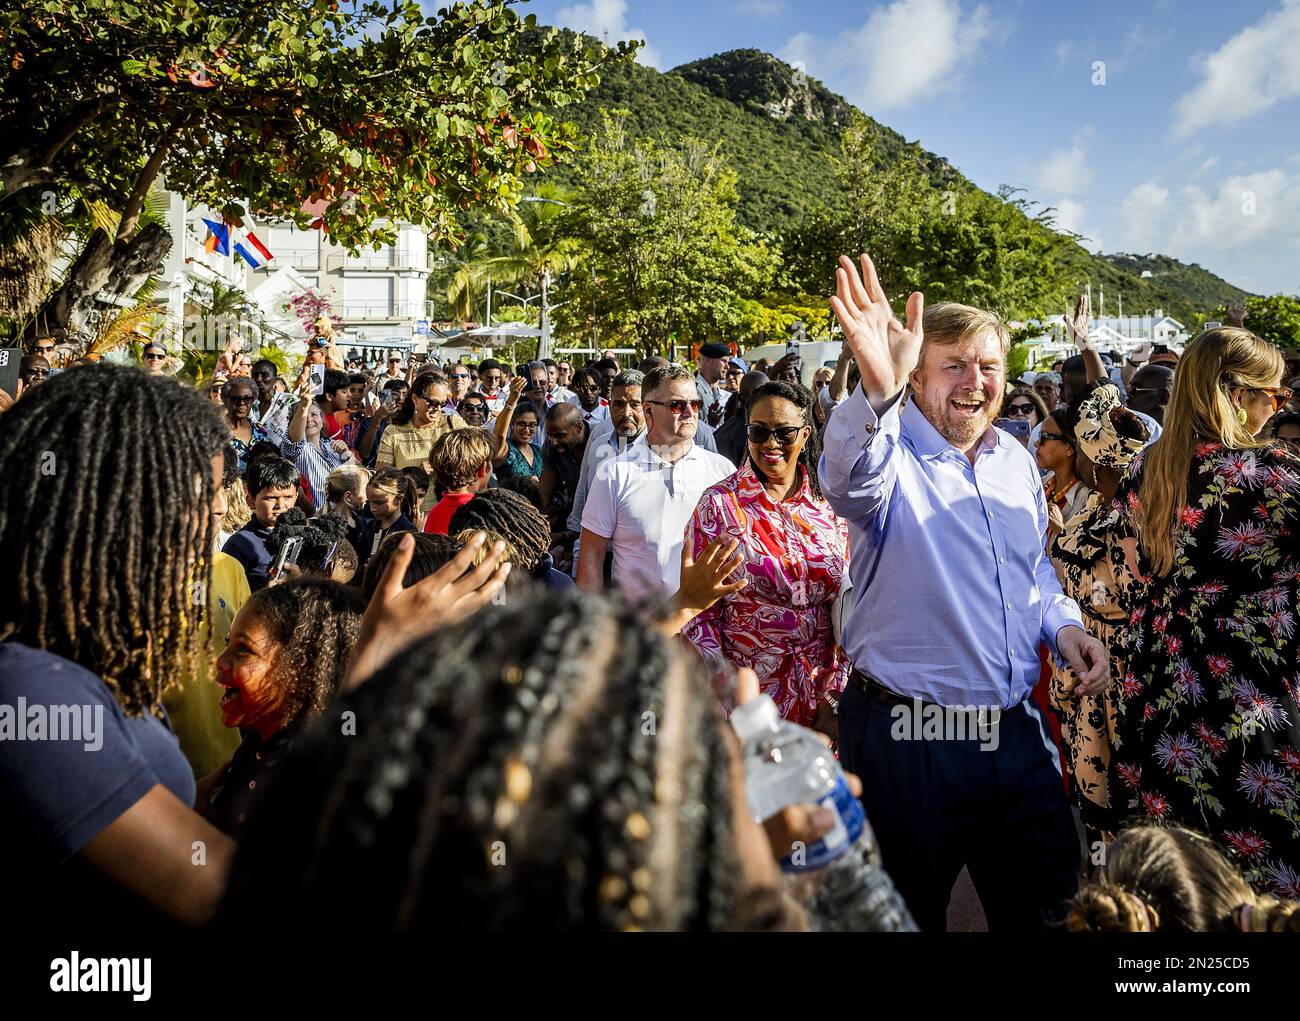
x=1167, y=878
x=284, y=660
x=522, y=525
x=101, y=618
x=557, y=770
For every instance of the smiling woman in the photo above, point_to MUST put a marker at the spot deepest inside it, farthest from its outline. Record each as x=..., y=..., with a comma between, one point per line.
x=284, y=659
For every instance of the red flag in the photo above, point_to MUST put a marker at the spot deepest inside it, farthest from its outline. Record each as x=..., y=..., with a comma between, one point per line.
x=210, y=245
x=252, y=240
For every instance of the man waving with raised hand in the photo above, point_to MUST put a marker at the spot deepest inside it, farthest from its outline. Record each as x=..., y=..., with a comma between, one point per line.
x=952, y=596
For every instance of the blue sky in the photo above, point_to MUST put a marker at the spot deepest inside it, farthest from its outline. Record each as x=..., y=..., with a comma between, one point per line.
x=1155, y=125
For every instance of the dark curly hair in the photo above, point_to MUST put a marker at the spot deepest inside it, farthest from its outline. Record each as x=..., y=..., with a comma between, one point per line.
x=431, y=552
x=510, y=516
x=314, y=623
x=803, y=399
x=322, y=537
x=535, y=769
x=116, y=590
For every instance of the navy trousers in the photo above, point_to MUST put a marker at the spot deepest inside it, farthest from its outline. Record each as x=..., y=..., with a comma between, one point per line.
x=939, y=805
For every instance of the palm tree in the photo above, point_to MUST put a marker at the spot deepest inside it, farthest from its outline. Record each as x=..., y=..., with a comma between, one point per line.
x=539, y=250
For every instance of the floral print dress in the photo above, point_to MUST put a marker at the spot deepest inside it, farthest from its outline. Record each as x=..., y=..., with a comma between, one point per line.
x=1210, y=730
x=779, y=625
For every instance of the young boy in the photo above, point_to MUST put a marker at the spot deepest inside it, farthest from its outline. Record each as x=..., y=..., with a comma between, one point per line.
x=388, y=493
x=462, y=463
x=271, y=484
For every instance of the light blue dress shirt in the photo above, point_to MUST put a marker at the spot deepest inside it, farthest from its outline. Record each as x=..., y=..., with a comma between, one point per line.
x=963, y=592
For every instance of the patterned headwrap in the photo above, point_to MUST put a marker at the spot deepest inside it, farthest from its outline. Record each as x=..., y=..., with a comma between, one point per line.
x=1098, y=438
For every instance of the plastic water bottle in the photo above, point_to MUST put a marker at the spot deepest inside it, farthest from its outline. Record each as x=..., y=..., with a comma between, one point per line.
x=786, y=764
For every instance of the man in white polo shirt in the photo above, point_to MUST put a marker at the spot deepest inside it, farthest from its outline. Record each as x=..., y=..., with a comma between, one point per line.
x=642, y=500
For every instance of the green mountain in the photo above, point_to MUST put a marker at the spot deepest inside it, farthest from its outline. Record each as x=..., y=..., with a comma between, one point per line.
x=1199, y=285
x=780, y=130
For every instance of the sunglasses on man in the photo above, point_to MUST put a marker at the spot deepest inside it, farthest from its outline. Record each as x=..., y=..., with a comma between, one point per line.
x=679, y=407
x=154, y=356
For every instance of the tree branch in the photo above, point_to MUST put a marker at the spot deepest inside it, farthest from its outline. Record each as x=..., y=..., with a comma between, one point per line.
x=144, y=180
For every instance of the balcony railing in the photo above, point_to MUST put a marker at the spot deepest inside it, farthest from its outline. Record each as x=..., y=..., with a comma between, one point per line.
x=298, y=258
x=390, y=262
x=363, y=310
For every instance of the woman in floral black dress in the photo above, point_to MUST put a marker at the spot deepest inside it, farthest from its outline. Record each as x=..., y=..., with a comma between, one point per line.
x=1210, y=734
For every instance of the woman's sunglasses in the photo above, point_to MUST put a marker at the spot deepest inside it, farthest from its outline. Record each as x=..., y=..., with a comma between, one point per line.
x=1280, y=395
x=1019, y=409
x=526, y=426
x=1055, y=436
x=785, y=435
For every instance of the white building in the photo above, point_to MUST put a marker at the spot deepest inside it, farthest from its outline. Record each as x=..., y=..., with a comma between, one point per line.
x=378, y=295
x=1123, y=333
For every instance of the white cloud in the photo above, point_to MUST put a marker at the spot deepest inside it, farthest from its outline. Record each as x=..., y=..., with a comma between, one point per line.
x=1063, y=51
x=1252, y=71
x=1065, y=173
x=607, y=21
x=905, y=52
x=1067, y=170
x=1072, y=216
x=765, y=9
x=1247, y=228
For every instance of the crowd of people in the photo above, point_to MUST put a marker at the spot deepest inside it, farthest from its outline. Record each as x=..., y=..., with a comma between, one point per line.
x=463, y=638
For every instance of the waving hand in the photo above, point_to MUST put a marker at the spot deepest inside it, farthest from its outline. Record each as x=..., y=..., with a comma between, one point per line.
x=886, y=351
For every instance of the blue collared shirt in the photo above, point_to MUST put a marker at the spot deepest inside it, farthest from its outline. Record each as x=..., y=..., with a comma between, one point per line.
x=963, y=592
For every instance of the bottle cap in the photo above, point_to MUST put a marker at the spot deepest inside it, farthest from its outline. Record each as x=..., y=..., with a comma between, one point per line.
x=755, y=717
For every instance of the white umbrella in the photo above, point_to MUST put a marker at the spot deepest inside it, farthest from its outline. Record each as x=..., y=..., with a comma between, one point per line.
x=503, y=334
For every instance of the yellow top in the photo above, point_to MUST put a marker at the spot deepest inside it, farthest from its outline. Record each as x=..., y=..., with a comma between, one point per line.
x=404, y=445
x=195, y=707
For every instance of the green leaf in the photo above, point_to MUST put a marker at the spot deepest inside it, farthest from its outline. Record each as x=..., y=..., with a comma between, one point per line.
x=133, y=66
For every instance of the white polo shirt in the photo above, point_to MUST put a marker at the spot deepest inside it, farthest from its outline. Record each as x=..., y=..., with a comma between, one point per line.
x=642, y=504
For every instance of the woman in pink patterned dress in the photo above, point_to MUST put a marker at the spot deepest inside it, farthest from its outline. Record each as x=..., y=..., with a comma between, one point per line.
x=795, y=551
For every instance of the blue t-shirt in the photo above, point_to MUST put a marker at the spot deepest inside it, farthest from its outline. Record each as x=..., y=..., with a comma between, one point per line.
x=248, y=546
x=71, y=762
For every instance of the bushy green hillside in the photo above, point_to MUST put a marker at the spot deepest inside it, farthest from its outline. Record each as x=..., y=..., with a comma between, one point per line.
x=781, y=130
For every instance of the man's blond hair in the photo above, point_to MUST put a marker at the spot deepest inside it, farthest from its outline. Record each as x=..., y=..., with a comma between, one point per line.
x=948, y=323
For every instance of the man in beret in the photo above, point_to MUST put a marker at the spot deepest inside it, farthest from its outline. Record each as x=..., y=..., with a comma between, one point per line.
x=712, y=365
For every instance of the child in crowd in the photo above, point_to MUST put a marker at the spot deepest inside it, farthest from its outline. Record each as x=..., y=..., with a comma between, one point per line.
x=392, y=500
x=462, y=465
x=287, y=651
x=271, y=484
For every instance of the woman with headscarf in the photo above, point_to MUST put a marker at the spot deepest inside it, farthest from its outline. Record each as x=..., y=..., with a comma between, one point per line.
x=1088, y=555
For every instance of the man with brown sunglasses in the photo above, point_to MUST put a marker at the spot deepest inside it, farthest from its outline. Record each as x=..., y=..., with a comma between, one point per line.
x=641, y=501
